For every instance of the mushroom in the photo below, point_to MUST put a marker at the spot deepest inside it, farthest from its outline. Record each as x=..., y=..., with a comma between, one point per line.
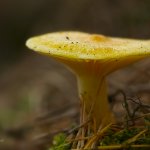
x=91, y=57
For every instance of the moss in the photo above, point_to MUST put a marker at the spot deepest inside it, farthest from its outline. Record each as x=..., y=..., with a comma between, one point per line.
x=59, y=142
x=118, y=137
x=113, y=138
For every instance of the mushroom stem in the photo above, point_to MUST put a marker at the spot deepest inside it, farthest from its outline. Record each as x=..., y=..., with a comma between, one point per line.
x=91, y=77
x=94, y=103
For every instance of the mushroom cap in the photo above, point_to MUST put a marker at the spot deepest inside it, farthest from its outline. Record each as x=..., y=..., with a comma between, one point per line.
x=84, y=46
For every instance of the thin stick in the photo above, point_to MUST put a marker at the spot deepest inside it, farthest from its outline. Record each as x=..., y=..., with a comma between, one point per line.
x=96, y=136
x=83, y=129
x=75, y=143
x=133, y=139
x=148, y=114
x=78, y=127
x=78, y=139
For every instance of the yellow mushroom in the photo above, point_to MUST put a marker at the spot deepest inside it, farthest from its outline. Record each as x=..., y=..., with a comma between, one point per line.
x=91, y=57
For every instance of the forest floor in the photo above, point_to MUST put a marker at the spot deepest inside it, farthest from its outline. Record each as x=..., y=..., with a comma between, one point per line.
x=38, y=99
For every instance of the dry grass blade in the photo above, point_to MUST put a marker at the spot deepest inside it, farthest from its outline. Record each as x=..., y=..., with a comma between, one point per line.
x=122, y=146
x=97, y=136
x=116, y=147
x=133, y=139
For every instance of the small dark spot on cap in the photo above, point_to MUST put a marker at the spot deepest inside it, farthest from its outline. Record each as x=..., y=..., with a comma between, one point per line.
x=67, y=38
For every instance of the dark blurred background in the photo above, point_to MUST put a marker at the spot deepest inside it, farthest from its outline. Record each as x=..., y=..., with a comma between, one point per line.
x=38, y=96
